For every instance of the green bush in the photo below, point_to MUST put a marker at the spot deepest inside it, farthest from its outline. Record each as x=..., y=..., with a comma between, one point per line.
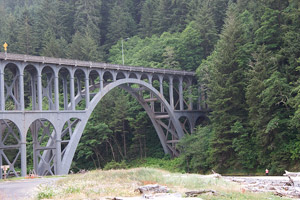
x=166, y=163
x=115, y=165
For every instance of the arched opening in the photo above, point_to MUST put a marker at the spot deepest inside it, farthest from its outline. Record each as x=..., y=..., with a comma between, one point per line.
x=64, y=89
x=67, y=132
x=187, y=94
x=132, y=75
x=94, y=83
x=166, y=126
x=48, y=88
x=185, y=124
x=120, y=75
x=30, y=88
x=79, y=81
x=41, y=147
x=176, y=93
x=116, y=131
x=12, y=87
x=107, y=78
x=10, y=143
x=157, y=104
x=202, y=121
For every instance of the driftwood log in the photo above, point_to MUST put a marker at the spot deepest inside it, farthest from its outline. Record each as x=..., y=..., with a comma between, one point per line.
x=287, y=173
x=198, y=192
x=153, y=189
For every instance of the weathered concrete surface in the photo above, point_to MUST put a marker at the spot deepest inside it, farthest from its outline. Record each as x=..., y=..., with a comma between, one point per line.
x=22, y=189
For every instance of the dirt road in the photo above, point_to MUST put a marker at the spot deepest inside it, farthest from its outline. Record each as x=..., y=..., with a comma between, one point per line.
x=22, y=189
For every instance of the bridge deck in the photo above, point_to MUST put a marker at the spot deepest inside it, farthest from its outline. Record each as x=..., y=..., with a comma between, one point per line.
x=89, y=64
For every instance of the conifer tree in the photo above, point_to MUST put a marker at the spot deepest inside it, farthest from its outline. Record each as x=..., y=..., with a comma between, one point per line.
x=26, y=37
x=121, y=23
x=88, y=18
x=226, y=97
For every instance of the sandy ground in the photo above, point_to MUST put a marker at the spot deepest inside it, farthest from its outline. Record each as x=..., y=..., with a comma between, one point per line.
x=26, y=188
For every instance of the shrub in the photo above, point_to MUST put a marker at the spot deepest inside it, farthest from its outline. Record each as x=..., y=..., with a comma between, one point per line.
x=115, y=165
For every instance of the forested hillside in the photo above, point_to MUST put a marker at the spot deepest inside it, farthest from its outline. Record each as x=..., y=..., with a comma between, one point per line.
x=246, y=54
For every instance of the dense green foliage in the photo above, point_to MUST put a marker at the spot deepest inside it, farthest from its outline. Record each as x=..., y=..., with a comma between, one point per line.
x=246, y=54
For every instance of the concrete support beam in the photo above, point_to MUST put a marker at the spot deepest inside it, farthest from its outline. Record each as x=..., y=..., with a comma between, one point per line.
x=56, y=92
x=72, y=95
x=39, y=91
x=181, y=94
x=23, y=158
x=161, y=91
x=87, y=93
x=21, y=89
x=190, y=95
x=2, y=97
x=34, y=91
x=171, y=91
x=58, y=153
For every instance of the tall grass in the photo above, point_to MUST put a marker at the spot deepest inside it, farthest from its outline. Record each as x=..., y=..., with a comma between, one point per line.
x=100, y=184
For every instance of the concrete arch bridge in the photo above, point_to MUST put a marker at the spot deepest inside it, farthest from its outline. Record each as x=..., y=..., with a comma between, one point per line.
x=50, y=100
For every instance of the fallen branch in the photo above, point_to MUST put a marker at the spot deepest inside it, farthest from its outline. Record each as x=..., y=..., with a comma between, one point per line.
x=198, y=192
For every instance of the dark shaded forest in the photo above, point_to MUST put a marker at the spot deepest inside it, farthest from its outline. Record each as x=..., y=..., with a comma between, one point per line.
x=246, y=54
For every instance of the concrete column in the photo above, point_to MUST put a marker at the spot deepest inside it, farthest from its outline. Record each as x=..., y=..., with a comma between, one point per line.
x=39, y=88
x=33, y=91
x=161, y=90
x=72, y=92
x=21, y=88
x=171, y=91
x=65, y=92
x=180, y=94
x=87, y=93
x=2, y=97
x=101, y=83
x=58, y=153
x=56, y=92
x=23, y=158
x=1, y=151
x=190, y=95
x=151, y=94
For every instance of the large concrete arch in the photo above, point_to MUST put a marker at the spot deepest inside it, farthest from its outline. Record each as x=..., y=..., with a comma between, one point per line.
x=154, y=89
x=70, y=151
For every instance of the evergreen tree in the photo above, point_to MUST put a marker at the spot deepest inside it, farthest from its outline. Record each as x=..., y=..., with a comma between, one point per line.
x=206, y=27
x=88, y=18
x=226, y=97
x=26, y=37
x=83, y=47
x=146, y=25
x=121, y=23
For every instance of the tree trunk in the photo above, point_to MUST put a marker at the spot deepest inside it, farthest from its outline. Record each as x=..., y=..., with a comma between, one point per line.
x=112, y=150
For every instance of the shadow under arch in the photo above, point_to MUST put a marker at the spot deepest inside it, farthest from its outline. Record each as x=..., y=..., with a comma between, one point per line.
x=10, y=146
x=41, y=137
x=124, y=84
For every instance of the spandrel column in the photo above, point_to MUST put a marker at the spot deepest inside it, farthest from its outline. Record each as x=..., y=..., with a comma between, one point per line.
x=56, y=92
x=39, y=88
x=2, y=98
x=21, y=88
x=161, y=91
x=72, y=91
x=171, y=92
x=181, y=94
x=87, y=92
